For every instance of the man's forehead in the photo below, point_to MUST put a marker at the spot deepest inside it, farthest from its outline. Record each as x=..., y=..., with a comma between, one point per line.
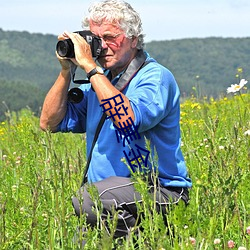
x=104, y=25
x=104, y=22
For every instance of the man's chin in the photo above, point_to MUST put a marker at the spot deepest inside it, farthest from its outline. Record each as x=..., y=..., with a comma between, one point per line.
x=105, y=63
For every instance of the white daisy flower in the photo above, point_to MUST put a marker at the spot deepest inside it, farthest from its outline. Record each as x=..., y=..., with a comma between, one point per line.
x=237, y=87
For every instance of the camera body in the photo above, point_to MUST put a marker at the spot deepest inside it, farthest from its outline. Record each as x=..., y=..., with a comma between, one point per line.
x=65, y=48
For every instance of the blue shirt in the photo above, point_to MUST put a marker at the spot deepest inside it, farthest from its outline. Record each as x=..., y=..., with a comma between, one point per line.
x=154, y=97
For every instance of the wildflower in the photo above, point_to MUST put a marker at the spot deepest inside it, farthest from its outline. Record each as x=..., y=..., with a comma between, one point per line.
x=230, y=244
x=195, y=106
x=247, y=133
x=22, y=210
x=14, y=188
x=221, y=147
x=216, y=241
x=198, y=182
x=45, y=216
x=192, y=240
x=242, y=248
x=240, y=70
x=248, y=230
x=237, y=87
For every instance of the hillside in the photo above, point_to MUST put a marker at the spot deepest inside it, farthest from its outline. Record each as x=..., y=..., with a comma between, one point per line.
x=209, y=64
x=28, y=66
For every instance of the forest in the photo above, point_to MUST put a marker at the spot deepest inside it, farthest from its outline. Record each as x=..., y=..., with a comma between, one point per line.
x=202, y=67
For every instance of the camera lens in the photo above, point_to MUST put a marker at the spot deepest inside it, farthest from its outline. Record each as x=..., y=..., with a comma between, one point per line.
x=75, y=95
x=65, y=48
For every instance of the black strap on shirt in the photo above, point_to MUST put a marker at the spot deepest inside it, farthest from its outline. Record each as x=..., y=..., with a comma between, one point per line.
x=97, y=132
x=136, y=64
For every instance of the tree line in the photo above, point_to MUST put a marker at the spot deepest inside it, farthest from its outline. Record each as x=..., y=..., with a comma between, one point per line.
x=202, y=67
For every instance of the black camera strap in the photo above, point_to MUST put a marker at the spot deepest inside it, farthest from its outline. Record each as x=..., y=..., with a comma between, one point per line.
x=136, y=64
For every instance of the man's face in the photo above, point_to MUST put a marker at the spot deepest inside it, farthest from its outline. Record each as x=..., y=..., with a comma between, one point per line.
x=118, y=50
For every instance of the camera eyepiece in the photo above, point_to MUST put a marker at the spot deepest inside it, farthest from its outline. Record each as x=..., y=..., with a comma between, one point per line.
x=65, y=48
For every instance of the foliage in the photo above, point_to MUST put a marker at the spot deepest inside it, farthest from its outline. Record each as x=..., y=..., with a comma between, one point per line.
x=14, y=95
x=208, y=62
x=28, y=68
x=28, y=58
x=40, y=172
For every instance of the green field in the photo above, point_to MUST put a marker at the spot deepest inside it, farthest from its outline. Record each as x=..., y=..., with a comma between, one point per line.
x=40, y=172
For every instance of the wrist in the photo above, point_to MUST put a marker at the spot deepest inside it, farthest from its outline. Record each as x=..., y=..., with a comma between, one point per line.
x=65, y=73
x=89, y=67
x=97, y=70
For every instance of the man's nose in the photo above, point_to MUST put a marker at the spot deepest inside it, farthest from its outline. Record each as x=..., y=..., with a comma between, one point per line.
x=104, y=44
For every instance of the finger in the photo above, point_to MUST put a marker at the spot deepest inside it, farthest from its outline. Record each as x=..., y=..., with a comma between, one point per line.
x=69, y=60
x=66, y=33
x=75, y=37
x=59, y=57
x=62, y=36
x=70, y=34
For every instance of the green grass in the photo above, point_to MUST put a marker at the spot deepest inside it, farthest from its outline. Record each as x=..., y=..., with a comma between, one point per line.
x=40, y=172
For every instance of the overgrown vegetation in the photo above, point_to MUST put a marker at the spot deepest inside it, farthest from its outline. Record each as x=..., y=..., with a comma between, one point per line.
x=41, y=171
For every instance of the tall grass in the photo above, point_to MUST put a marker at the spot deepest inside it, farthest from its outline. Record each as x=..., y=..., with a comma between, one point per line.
x=40, y=172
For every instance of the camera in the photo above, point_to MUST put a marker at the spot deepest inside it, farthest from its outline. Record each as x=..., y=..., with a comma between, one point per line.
x=65, y=48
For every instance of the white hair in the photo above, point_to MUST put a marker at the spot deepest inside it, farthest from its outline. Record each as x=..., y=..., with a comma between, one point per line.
x=120, y=13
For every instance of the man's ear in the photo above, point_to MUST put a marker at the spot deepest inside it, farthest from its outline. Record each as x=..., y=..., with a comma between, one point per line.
x=134, y=42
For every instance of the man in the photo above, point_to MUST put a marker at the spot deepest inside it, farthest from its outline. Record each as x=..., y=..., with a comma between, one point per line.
x=141, y=100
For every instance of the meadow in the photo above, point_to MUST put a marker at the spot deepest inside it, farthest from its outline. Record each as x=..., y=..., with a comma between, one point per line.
x=40, y=172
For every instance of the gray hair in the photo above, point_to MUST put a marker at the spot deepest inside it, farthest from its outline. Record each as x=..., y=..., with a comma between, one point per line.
x=120, y=13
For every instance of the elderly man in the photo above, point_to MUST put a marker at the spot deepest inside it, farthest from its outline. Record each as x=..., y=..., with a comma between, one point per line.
x=140, y=98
